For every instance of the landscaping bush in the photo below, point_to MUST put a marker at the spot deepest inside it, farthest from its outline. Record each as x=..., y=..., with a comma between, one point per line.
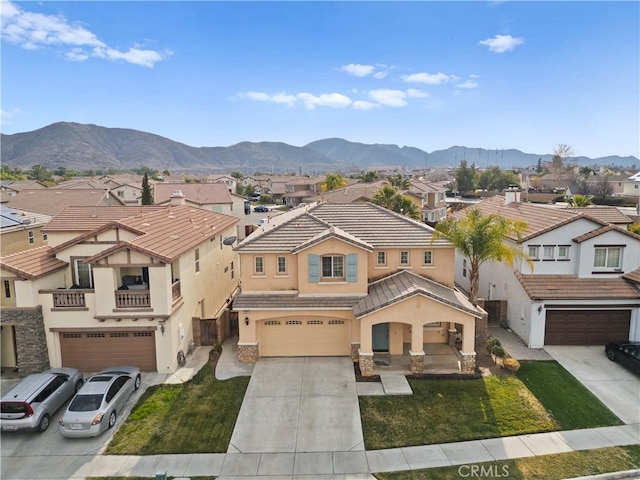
x=511, y=364
x=491, y=342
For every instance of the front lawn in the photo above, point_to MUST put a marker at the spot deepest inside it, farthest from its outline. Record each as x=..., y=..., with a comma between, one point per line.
x=194, y=417
x=441, y=411
x=572, y=405
x=546, y=467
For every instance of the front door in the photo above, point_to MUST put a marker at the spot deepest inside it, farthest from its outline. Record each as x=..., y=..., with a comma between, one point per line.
x=381, y=337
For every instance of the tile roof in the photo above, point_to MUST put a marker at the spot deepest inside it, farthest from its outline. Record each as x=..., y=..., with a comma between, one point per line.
x=335, y=233
x=88, y=219
x=366, y=222
x=357, y=191
x=50, y=201
x=248, y=301
x=200, y=193
x=11, y=218
x=604, y=214
x=633, y=276
x=32, y=263
x=607, y=228
x=404, y=284
x=571, y=287
x=421, y=186
x=82, y=183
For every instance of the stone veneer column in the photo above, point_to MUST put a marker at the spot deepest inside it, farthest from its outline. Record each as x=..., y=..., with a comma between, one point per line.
x=452, y=336
x=31, y=341
x=366, y=363
x=468, y=362
x=355, y=348
x=417, y=362
x=248, y=352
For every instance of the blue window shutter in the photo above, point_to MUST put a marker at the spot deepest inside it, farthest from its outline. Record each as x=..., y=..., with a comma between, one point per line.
x=314, y=268
x=352, y=267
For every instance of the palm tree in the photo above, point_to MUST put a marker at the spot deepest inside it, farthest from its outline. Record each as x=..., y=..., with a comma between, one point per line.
x=399, y=181
x=333, y=181
x=580, y=200
x=386, y=197
x=404, y=206
x=480, y=238
x=369, y=177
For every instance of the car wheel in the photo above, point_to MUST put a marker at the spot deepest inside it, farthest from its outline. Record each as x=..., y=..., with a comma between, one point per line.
x=136, y=385
x=611, y=355
x=78, y=386
x=44, y=423
x=112, y=419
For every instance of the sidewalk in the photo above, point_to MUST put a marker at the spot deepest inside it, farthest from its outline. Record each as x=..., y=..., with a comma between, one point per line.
x=334, y=465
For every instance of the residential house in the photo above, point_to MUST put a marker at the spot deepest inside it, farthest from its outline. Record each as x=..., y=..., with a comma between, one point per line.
x=301, y=190
x=357, y=192
x=119, y=285
x=128, y=193
x=228, y=180
x=51, y=201
x=576, y=293
x=214, y=197
x=21, y=230
x=10, y=188
x=351, y=279
x=432, y=200
x=276, y=187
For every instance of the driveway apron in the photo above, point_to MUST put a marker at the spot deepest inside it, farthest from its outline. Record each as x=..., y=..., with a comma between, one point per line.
x=304, y=404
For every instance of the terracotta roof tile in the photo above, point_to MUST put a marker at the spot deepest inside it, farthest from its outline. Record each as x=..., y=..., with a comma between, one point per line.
x=571, y=287
x=607, y=228
x=603, y=214
x=32, y=263
x=50, y=201
x=357, y=191
x=83, y=219
x=200, y=193
x=633, y=276
x=246, y=301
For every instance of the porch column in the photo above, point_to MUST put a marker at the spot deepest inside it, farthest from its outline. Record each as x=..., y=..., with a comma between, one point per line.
x=417, y=348
x=365, y=352
x=468, y=354
x=452, y=334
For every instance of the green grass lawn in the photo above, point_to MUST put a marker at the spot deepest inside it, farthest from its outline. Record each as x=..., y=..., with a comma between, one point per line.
x=441, y=411
x=546, y=467
x=194, y=417
x=572, y=405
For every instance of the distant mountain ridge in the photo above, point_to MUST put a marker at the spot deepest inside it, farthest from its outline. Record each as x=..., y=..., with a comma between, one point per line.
x=84, y=147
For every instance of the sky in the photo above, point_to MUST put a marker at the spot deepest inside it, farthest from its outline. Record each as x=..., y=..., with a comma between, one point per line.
x=431, y=75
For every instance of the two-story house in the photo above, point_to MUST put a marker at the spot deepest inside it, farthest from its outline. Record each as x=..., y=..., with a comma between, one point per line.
x=21, y=230
x=214, y=197
x=350, y=279
x=431, y=200
x=301, y=190
x=577, y=292
x=119, y=285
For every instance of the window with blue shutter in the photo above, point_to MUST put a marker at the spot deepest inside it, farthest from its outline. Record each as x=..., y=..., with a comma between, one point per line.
x=314, y=268
x=352, y=267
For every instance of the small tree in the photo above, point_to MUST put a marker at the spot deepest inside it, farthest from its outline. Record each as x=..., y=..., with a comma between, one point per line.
x=603, y=188
x=147, y=194
x=385, y=197
x=560, y=156
x=481, y=238
x=369, y=177
x=465, y=177
x=333, y=181
x=578, y=200
x=399, y=181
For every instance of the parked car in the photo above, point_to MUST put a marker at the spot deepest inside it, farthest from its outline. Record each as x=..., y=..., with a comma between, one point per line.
x=30, y=404
x=624, y=353
x=261, y=208
x=95, y=407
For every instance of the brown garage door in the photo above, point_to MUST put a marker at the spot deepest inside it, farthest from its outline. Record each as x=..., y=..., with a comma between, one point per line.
x=93, y=351
x=304, y=338
x=586, y=327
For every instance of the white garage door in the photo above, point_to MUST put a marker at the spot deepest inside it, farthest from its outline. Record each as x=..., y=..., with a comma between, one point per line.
x=300, y=338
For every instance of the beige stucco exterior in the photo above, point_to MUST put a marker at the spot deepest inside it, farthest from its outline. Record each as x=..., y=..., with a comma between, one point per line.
x=21, y=239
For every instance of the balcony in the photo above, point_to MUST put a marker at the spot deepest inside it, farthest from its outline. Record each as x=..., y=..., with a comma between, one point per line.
x=133, y=298
x=70, y=298
x=175, y=290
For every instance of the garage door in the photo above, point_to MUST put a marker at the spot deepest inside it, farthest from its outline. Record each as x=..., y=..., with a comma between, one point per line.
x=304, y=338
x=586, y=327
x=93, y=351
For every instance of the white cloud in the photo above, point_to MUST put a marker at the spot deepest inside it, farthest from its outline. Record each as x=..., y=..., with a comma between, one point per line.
x=468, y=84
x=357, y=70
x=427, y=78
x=502, y=43
x=380, y=75
x=280, y=98
x=364, y=105
x=335, y=100
x=415, y=93
x=35, y=30
x=6, y=116
x=389, y=98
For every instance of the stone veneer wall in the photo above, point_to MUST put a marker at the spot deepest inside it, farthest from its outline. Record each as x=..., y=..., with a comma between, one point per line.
x=31, y=341
x=366, y=364
x=417, y=362
x=248, y=353
x=468, y=362
x=355, y=347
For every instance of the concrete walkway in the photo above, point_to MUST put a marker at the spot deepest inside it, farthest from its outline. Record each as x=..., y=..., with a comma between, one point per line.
x=516, y=347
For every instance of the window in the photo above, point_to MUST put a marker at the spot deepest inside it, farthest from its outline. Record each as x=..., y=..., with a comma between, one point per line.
x=197, y=264
x=404, y=258
x=427, y=258
x=82, y=273
x=333, y=266
x=534, y=252
x=563, y=252
x=547, y=252
x=44, y=236
x=382, y=258
x=31, y=237
x=282, y=264
x=464, y=267
x=258, y=265
x=120, y=193
x=7, y=289
x=607, y=257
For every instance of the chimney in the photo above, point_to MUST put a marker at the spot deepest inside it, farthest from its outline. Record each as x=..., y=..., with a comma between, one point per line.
x=177, y=198
x=512, y=195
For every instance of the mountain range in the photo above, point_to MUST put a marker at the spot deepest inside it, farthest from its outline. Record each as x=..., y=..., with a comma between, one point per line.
x=85, y=147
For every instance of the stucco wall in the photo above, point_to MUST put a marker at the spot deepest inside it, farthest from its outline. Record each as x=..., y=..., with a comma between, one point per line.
x=441, y=269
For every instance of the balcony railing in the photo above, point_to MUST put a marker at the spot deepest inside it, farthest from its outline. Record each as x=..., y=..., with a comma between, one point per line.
x=175, y=290
x=133, y=299
x=69, y=299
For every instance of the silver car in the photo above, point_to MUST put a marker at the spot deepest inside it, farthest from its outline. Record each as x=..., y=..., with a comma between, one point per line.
x=95, y=407
x=30, y=404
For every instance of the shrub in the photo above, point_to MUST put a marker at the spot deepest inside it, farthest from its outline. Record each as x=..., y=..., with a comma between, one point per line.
x=498, y=351
x=217, y=348
x=492, y=342
x=511, y=364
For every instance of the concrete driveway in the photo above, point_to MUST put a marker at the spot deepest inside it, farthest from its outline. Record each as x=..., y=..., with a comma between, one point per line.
x=614, y=385
x=299, y=405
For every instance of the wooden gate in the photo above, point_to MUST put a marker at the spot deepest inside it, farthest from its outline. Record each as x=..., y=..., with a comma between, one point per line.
x=208, y=332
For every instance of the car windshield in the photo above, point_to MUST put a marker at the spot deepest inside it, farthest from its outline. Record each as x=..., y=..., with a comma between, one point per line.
x=85, y=403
